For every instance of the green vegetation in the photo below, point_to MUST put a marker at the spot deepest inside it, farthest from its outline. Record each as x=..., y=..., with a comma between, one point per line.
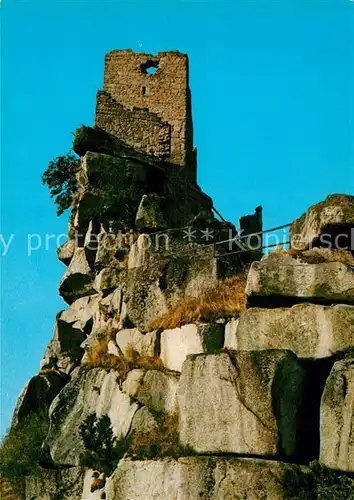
x=103, y=450
x=321, y=484
x=60, y=177
x=20, y=450
x=118, y=190
x=162, y=441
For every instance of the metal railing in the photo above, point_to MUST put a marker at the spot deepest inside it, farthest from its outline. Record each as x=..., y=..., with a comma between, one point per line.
x=238, y=241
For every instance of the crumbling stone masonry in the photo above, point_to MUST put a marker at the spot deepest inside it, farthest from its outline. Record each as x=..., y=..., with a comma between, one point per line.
x=150, y=111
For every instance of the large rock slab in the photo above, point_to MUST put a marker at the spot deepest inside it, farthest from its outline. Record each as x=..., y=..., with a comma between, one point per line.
x=158, y=391
x=319, y=255
x=153, y=289
x=89, y=391
x=131, y=340
x=281, y=280
x=309, y=330
x=38, y=394
x=190, y=478
x=112, y=251
x=108, y=279
x=331, y=217
x=337, y=418
x=65, y=484
x=65, y=350
x=178, y=343
x=66, y=251
x=241, y=402
x=78, y=278
x=150, y=214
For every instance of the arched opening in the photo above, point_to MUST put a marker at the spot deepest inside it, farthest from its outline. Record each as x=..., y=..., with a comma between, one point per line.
x=150, y=67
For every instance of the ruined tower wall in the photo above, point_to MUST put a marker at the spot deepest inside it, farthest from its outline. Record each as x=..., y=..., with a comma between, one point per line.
x=138, y=128
x=165, y=93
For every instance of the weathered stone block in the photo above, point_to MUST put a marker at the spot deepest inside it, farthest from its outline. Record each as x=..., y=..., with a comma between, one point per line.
x=241, y=402
x=150, y=214
x=68, y=483
x=72, y=325
x=131, y=341
x=279, y=280
x=89, y=391
x=112, y=252
x=337, y=418
x=66, y=252
x=178, y=343
x=331, y=217
x=309, y=330
x=320, y=255
x=158, y=391
x=108, y=279
x=78, y=278
x=230, y=334
x=38, y=393
x=212, y=478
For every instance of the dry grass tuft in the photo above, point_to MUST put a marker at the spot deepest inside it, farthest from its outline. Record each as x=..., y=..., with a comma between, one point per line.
x=160, y=442
x=292, y=252
x=318, y=255
x=226, y=298
x=98, y=357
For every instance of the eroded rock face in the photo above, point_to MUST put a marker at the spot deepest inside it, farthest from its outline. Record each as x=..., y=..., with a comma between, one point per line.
x=78, y=278
x=66, y=484
x=321, y=255
x=178, y=343
x=152, y=289
x=131, y=340
x=337, y=418
x=112, y=251
x=241, y=402
x=280, y=279
x=158, y=391
x=65, y=350
x=309, y=330
x=38, y=394
x=66, y=251
x=189, y=478
x=89, y=391
x=150, y=213
x=331, y=217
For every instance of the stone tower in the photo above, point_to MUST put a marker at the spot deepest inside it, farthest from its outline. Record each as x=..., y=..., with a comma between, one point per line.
x=146, y=102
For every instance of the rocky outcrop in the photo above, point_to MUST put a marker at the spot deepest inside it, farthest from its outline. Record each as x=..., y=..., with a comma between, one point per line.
x=78, y=278
x=66, y=484
x=207, y=409
x=158, y=392
x=324, y=223
x=178, y=343
x=89, y=391
x=39, y=393
x=150, y=213
x=309, y=330
x=152, y=289
x=337, y=418
x=251, y=406
x=66, y=251
x=321, y=255
x=279, y=279
x=189, y=478
x=130, y=341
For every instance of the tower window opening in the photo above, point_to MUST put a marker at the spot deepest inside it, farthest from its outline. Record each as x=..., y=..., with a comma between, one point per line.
x=143, y=90
x=150, y=67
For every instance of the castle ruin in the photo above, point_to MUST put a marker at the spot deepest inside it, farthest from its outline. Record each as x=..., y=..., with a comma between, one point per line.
x=176, y=372
x=150, y=111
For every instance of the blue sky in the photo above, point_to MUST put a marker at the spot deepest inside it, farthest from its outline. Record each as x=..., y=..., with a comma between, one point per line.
x=273, y=103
